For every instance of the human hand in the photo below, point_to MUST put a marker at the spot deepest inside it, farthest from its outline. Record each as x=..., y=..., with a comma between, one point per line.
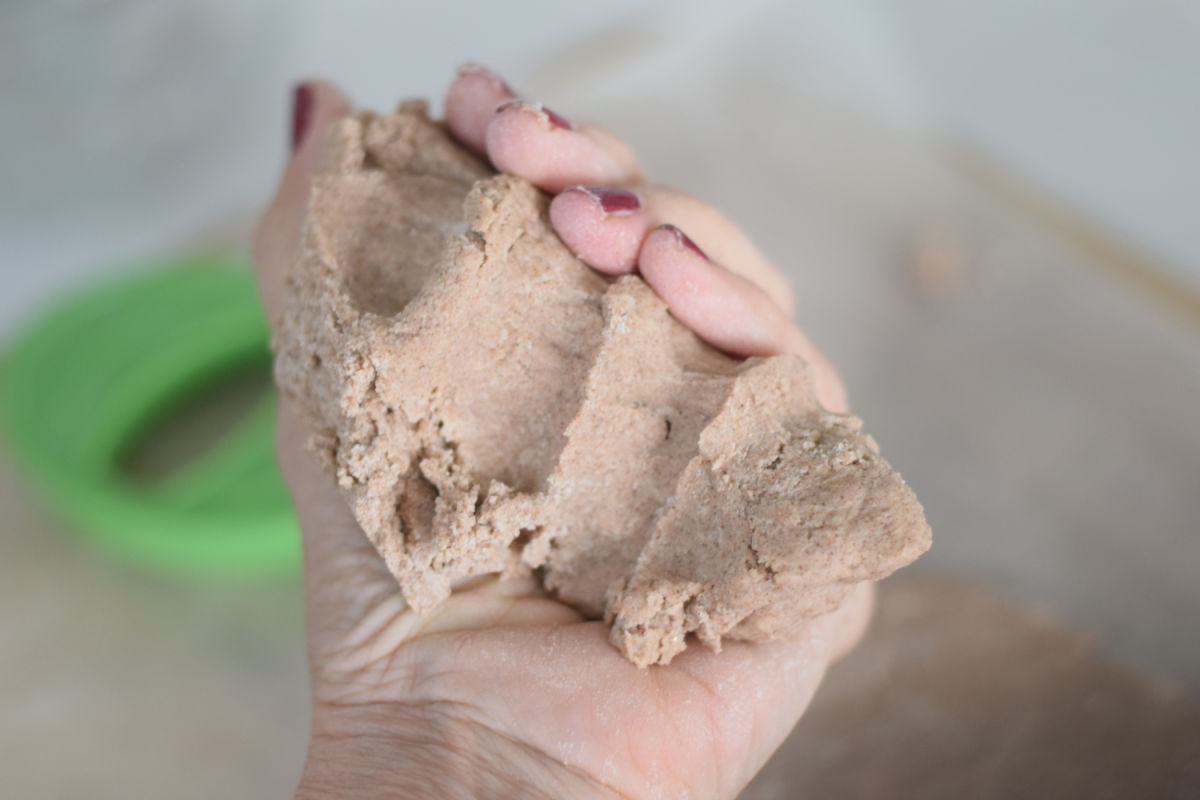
x=503, y=691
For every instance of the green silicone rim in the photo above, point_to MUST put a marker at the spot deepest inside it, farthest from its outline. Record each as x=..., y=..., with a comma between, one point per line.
x=90, y=375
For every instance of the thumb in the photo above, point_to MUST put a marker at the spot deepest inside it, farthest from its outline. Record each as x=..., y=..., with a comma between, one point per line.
x=315, y=106
x=341, y=566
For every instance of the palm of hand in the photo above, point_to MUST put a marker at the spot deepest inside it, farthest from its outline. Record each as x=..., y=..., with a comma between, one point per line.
x=508, y=663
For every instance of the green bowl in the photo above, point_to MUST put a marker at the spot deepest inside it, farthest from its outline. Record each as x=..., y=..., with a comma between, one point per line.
x=91, y=377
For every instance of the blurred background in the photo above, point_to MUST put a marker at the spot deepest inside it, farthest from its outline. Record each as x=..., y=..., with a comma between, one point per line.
x=990, y=215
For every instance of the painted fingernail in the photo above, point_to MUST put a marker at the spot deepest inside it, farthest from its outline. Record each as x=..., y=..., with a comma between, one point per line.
x=302, y=107
x=612, y=202
x=686, y=241
x=480, y=71
x=554, y=119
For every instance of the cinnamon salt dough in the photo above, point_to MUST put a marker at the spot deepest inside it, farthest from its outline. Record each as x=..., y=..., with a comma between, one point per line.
x=489, y=404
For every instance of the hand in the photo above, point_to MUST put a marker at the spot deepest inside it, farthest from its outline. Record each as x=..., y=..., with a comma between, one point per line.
x=503, y=691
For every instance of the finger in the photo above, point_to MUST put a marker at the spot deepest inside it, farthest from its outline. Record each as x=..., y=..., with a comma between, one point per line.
x=471, y=103
x=725, y=242
x=335, y=548
x=725, y=309
x=483, y=112
x=315, y=106
x=605, y=226
x=728, y=311
x=533, y=142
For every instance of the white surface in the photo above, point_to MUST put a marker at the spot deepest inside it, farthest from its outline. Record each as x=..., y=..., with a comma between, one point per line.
x=1096, y=100
x=132, y=126
x=128, y=126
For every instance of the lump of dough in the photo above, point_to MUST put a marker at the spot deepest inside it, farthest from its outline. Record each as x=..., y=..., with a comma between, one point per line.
x=489, y=404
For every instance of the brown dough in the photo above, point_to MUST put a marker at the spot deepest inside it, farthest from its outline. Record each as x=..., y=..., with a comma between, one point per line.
x=491, y=405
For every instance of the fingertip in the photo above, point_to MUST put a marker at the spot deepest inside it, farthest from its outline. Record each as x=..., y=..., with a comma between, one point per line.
x=471, y=103
x=724, y=309
x=532, y=142
x=315, y=106
x=603, y=226
x=522, y=140
x=475, y=70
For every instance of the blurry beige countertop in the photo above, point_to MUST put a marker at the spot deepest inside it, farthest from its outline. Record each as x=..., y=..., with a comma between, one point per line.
x=1038, y=398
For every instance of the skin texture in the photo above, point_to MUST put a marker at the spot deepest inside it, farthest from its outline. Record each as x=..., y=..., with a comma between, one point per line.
x=502, y=691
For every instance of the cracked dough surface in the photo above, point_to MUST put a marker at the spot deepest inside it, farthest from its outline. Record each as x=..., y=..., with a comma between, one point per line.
x=489, y=404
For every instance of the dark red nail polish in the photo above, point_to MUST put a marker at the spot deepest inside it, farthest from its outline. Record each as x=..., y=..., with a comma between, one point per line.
x=686, y=241
x=557, y=120
x=613, y=201
x=302, y=107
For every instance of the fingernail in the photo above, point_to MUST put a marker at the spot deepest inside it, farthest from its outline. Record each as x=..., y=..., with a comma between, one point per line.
x=686, y=241
x=554, y=119
x=302, y=107
x=611, y=201
x=478, y=70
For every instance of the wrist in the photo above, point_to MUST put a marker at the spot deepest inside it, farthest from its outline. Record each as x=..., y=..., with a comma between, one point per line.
x=428, y=750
